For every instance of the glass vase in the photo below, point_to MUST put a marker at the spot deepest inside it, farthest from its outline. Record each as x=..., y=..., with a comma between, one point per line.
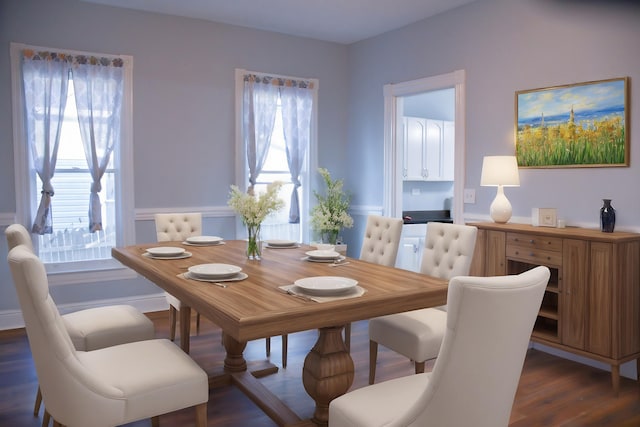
x=254, y=242
x=330, y=236
x=607, y=217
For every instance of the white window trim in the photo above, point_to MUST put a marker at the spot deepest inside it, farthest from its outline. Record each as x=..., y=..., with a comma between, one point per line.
x=312, y=155
x=90, y=271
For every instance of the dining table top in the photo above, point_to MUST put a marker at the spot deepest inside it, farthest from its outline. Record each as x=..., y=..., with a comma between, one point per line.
x=257, y=307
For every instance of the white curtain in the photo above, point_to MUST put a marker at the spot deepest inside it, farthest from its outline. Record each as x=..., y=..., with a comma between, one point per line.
x=98, y=92
x=297, y=103
x=45, y=78
x=259, y=115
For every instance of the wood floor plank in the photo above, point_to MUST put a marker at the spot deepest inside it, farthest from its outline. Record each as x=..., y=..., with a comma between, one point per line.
x=553, y=392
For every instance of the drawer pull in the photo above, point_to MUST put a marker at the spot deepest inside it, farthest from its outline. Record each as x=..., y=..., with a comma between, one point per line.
x=532, y=254
x=532, y=241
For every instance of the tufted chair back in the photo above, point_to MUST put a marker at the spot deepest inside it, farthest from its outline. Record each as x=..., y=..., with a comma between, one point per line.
x=177, y=226
x=18, y=235
x=448, y=250
x=381, y=240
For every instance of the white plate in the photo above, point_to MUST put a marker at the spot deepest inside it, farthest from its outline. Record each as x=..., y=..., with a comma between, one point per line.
x=278, y=243
x=235, y=278
x=204, y=240
x=322, y=254
x=214, y=271
x=328, y=260
x=165, y=251
x=326, y=285
x=180, y=256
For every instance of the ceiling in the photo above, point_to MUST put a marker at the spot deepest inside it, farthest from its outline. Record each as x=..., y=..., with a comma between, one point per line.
x=340, y=21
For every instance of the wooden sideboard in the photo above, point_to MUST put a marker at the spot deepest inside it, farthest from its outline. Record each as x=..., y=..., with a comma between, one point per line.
x=592, y=304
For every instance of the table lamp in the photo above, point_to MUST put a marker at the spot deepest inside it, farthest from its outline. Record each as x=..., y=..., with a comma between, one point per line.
x=500, y=171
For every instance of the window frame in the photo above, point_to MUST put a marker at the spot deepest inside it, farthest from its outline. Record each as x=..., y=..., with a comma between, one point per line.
x=81, y=271
x=242, y=167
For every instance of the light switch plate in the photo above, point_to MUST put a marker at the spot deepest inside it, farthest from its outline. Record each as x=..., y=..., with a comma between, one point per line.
x=470, y=196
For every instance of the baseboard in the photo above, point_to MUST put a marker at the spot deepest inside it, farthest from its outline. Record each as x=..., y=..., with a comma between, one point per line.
x=12, y=319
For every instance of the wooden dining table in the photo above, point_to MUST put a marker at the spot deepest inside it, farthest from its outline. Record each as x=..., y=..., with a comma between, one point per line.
x=257, y=307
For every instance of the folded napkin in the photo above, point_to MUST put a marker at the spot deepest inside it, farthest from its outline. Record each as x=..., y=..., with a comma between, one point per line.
x=357, y=291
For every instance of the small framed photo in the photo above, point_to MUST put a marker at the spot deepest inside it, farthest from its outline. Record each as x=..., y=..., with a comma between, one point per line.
x=544, y=217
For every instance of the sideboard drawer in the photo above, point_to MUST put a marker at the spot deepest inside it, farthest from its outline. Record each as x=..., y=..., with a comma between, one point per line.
x=535, y=242
x=534, y=256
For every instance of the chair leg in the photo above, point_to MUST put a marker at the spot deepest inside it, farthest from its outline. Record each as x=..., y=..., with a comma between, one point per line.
x=420, y=367
x=285, y=345
x=267, y=344
x=46, y=417
x=36, y=407
x=201, y=415
x=172, y=322
x=155, y=421
x=197, y=323
x=373, y=359
x=347, y=337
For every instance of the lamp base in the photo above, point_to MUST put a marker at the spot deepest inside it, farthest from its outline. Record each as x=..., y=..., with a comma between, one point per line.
x=500, y=207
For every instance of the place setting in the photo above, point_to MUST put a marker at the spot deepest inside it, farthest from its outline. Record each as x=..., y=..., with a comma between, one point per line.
x=203, y=241
x=281, y=244
x=166, y=253
x=324, y=288
x=325, y=254
x=215, y=273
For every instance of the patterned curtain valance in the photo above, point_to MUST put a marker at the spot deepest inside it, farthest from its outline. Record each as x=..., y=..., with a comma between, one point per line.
x=279, y=81
x=73, y=59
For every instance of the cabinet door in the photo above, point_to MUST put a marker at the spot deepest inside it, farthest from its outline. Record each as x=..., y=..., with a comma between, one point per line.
x=434, y=154
x=572, y=288
x=414, y=157
x=410, y=253
x=495, y=260
x=448, y=151
x=600, y=297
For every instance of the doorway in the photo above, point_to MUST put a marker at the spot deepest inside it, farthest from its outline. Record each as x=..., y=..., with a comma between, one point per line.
x=400, y=99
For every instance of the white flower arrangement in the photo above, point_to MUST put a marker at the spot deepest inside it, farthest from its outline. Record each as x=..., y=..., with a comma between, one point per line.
x=330, y=215
x=254, y=209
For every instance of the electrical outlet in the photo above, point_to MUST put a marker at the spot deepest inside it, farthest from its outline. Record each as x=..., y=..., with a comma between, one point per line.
x=415, y=191
x=470, y=196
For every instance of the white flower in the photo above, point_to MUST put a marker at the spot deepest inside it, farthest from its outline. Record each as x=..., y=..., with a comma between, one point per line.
x=330, y=214
x=254, y=209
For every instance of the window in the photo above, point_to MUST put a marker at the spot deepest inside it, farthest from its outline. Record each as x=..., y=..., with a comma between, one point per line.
x=71, y=246
x=283, y=107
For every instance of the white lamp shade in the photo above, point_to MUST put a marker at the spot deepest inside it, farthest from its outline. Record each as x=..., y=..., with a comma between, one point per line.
x=500, y=170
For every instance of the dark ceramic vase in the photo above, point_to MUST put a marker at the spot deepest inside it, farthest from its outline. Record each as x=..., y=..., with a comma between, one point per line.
x=607, y=217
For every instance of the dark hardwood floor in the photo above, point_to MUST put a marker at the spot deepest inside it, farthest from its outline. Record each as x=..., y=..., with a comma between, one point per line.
x=552, y=391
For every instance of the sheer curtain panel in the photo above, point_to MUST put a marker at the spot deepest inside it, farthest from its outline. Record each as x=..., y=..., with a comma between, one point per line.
x=296, y=98
x=98, y=93
x=45, y=77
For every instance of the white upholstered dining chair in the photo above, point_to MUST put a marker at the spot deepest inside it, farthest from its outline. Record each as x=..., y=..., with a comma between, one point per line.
x=177, y=227
x=379, y=246
x=418, y=334
x=476, y=374
x=92, y=328
x=105, y=387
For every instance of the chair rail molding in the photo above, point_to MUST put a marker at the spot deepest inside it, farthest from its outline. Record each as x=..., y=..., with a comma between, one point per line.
x=7, y=218
x=147, y=214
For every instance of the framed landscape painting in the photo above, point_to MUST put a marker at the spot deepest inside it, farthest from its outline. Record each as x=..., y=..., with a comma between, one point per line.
x=577, y=125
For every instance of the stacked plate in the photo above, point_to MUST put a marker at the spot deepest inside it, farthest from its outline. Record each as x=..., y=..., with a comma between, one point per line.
x=323, y=256
x=215, y=272
x=167, y=252
x=203, y=240
x=326, y=285
x=281, y=244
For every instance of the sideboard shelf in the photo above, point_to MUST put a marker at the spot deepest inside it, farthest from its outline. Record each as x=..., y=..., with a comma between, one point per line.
x=592, y=303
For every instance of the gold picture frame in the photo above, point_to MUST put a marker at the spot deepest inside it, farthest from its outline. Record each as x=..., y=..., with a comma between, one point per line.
x=575, y=125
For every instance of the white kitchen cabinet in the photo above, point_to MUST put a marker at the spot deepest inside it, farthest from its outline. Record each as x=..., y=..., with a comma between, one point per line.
x=428, y=149
x=411, y=247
